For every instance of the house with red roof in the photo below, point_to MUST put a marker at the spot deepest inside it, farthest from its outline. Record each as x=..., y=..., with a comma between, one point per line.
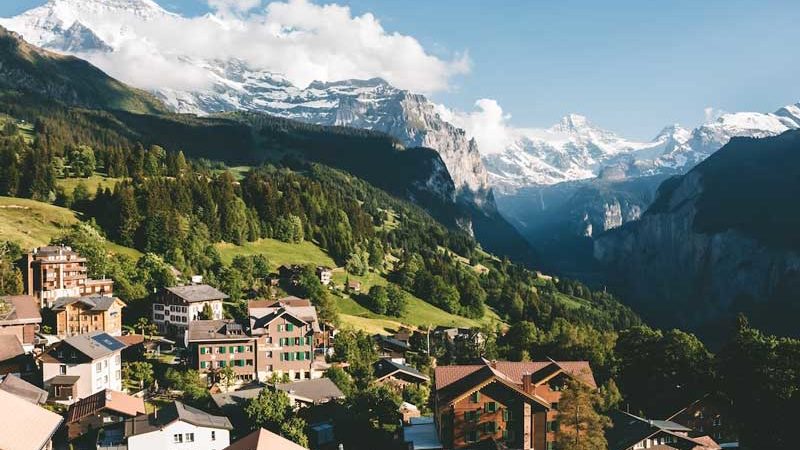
x=514, y=404
x=100, y=410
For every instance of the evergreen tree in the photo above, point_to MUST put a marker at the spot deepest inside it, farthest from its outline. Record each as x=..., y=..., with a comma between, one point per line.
x=581, y=427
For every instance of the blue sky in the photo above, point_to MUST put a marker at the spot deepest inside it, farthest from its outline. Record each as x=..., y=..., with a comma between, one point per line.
x=630, y=66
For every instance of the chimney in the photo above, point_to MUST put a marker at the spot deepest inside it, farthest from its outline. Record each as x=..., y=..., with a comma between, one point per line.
x=493, y=363
x=527, y=382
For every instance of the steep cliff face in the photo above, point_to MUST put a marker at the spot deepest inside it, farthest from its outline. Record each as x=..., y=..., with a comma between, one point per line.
x=717, y=241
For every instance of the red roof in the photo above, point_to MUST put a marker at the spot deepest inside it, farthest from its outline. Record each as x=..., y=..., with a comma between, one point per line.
x=513, y=371
x=131, y=339
x=262, y=439
x=116, y=401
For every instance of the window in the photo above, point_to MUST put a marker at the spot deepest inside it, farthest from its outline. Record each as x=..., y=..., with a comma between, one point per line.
x=202, y=364
x=177, y=438
x=300, y=356
x=241, y=349
x=297, y=341
x=98, y=367
x=475, y=397
x=221, y=349
x=717, y=421
x=507, y=415
x=552, y=426
x=289, y=327
x=232, y=349
x=308, y=340
x=471, y=416
x=555, y=406
x=269, y=354
x=308, y=356
x=118, y=359
x=222, y=363
x=472, y=436
x=280, y=327
x=489, y=427
x=491, y=407
x=213, y=435
x=118, y=375
x=62, y=369
x=189, y=437
x=202, y=350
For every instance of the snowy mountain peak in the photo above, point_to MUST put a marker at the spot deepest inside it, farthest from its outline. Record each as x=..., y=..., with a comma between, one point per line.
x=573, y=122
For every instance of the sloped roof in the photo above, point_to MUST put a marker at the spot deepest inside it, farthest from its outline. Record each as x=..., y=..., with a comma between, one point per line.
x=215, y=330
x=173, y=412
x=446, y=375
x=389, y=341
x=115, y=401
x=95, y=345
x=386, y=367
x=629, y=429
x=197, y=293
x=19, y=310
x=484, y=375
x=263, y=312
x=94, y=302
x=16, y=419
x=318, y=390
x=21, y=388
x=10, y=347
x=262, y=439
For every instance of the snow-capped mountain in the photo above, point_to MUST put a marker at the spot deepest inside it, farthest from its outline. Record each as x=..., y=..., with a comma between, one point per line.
x=575, y=149
x=88, y=28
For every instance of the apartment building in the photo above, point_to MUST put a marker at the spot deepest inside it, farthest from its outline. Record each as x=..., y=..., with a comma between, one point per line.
x=82, y=365
x=286, y=331
x=52, y=272
x=80, y=315
x=175, y=307
x=217, y=344
x=515, y=403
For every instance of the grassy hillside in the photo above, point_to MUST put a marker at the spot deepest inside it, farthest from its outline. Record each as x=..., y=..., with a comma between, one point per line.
x=419, y=313
x=32, y=224
x=91, y=183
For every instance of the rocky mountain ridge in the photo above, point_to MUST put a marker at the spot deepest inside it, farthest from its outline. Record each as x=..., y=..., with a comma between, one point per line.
x=89, y=27
x=717, y=241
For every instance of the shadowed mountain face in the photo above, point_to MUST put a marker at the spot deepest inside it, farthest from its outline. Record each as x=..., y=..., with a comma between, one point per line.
x=719, y=240
x=69, y=80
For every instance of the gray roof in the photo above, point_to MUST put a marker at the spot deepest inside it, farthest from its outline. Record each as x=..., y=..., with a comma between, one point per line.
x=64, y=380
x=94, y=302
x=215, y=330
x=319, y=390
x=95, y=345
x=239, y=397
x=173, y=412
x=385, y=367
x=260, y=315
x=422, y=432
x=628, y=429
x=197, y=293
x=21, y=388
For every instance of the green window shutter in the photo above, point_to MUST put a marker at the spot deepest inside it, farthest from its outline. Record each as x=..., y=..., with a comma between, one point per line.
x=222, y=349
x=241, y=349
x=202, y=364
x=308, y=340
x=289, y=327
x=202, y=350
x=308, y=356
x=222, y=364
x=505, y=434
x=232, y=349
x=505, y=415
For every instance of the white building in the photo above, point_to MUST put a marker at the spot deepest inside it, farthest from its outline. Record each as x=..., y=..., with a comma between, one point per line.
x=82, y=365
x=176, y=426
x=175, y=307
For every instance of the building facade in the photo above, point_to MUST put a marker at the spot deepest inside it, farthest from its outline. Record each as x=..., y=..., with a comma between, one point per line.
x=500, y=401
x=82, y=365
x=52, y=272
x=176, y=426
x=80, y=315
x=286, y=331
x=101, y=410
x=175, y=307
x=217, y=344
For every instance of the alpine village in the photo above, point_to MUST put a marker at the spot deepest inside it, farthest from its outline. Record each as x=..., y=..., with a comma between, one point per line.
x=256, y=279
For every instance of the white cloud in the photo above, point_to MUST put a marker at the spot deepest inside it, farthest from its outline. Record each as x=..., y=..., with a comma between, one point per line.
x=488, y=124
x=711, y=114
x=302, y=40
